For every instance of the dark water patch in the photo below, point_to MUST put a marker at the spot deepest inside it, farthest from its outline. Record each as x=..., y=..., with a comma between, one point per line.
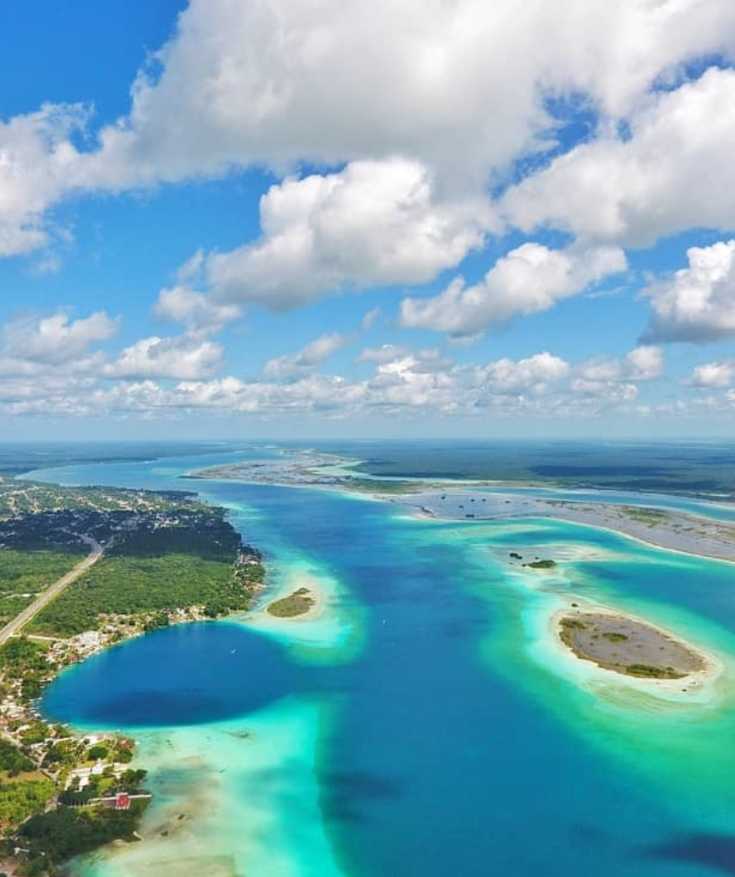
x=588, y=834
x=436, y=762
x=551, y=470
x=187, y=704
x=347, y=794
x=662, y=485
x=711, y=850
x=457, y=628
x=185, y=675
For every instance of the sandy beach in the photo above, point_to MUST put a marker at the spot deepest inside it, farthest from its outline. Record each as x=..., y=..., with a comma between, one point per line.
x=697, y=683
x=316, y=593
x=673, y=530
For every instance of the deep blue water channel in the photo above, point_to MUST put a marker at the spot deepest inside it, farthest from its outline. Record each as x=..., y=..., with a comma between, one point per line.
x=437, y=764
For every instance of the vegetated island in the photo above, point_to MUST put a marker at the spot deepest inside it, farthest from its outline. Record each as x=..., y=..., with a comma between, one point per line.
x=665, y=528
x=485, y=500
x=298, y=603
x=167, y=558
x=628, y=646
x=305, y=468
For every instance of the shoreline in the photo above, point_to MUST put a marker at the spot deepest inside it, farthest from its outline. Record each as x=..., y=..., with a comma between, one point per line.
x=282, y=625
x=620, y=526
x=647, y=542
x=343, y=471
x=315, y=592
x=651, y=525
x=700, y=681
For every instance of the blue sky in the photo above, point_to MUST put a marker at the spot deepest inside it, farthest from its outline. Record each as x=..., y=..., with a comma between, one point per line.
x=229, y=219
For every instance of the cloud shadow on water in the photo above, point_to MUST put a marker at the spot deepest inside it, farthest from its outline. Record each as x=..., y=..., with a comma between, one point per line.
x=711, y=850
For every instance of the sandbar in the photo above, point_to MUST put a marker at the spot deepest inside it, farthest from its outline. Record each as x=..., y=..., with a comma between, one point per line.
x=631, y=647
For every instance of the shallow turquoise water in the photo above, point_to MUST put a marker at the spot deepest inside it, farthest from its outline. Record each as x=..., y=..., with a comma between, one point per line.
x=444, y=738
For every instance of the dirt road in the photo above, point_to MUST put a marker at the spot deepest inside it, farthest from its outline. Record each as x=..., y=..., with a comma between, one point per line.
x=19, y=622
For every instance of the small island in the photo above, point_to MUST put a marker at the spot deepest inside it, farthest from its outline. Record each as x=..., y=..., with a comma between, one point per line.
x=628, y=646
x=298, y=603
x=541, y=564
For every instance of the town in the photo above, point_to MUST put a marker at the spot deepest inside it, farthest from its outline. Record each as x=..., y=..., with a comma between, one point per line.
x=156, y=559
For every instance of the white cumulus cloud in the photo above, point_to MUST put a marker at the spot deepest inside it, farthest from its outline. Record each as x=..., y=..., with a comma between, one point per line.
x=696, y=303
x=713, y=374
x=194, y=310
x=526, y=280
x=373, y=223
x=533, y=374
x=315, y=353
x=181, y=358
x=673, y=172
x=55, y=339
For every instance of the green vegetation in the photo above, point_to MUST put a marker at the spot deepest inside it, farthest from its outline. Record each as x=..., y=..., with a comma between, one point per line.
x=615, y=637
x=649, y=672
x=645, y=515
x=25, y=660
x=297, y=603
x=151, y=572
x=167, y=558
x=134, y=585
x=12, y=760
x=20, y=798
x=372, y=486
x=36, y=733
x=97, y=751
x=60, y=834
x=25, y=573
x=567, y=626
x=541, y=564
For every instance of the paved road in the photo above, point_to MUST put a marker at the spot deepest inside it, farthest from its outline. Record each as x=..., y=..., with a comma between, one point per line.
x=19, y=622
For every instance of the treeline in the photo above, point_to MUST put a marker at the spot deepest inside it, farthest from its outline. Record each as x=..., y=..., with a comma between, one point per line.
x=136, y=585
x=12, y=760
x=61, y=834
x=27, y=572
x=20, y=798
x=25, y=661
x=189, y=562
x=202, y=532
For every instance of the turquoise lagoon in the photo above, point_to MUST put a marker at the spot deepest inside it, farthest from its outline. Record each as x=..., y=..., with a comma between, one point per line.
x=422, y=724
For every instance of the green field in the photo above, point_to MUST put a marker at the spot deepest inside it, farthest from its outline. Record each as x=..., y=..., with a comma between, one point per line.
x=22, y=797
x=131, y=585
x=297, y=603
x=24, y=573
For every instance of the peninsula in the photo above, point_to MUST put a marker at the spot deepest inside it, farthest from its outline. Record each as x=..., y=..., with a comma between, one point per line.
x=156, y=558
x=484, y=500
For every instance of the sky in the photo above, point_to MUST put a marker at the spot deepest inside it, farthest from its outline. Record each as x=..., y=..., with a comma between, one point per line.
x=324, y=218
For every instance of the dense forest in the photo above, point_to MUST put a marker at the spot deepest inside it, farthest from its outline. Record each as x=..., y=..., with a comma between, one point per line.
x=188, y=561
x=24, y=573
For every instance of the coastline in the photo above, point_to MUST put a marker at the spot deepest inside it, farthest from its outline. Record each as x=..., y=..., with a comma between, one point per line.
x=698, y=684
x=83, y=770
x=316, y=594
x=224, y=762
x=234, y=785
x=598, y=518
x=652, y=525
